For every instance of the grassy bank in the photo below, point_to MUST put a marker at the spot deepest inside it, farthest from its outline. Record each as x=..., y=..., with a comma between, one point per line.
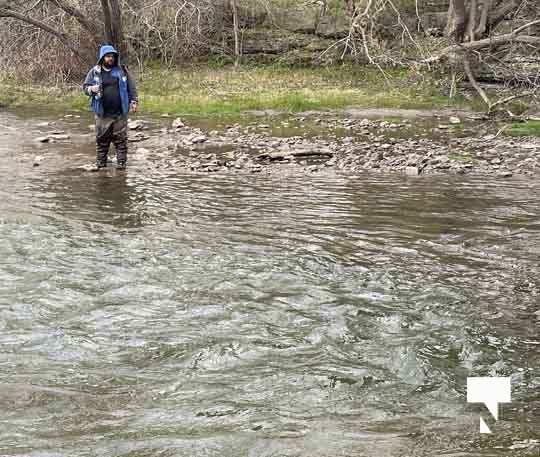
x=530, y=128
x=206, y=91
x=225, y=91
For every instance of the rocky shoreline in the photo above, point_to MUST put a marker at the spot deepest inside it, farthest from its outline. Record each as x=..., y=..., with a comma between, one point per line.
x=315, y=143
x=373, y=145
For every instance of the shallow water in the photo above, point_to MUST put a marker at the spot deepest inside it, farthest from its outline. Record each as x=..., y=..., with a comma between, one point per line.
x=152, y=313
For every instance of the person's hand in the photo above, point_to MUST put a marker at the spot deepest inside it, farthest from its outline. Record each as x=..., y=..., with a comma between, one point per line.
x=134, y=107
x=94, y=89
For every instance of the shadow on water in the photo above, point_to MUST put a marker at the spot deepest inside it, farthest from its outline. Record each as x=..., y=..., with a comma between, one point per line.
x=154, y=313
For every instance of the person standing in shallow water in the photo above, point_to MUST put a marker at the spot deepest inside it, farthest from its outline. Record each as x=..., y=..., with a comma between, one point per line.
x=113, y=95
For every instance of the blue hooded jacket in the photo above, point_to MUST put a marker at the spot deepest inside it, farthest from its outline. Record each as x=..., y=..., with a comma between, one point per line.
x=128, y=90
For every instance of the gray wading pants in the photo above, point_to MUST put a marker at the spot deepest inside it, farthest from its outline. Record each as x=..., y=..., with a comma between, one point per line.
x=111, y=130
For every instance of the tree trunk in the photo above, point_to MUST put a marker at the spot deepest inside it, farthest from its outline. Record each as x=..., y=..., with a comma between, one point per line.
x=108, y=21
x=112, y=14
x=457, y=21
x=117, y=30
x=476, y=19
x=236, y=33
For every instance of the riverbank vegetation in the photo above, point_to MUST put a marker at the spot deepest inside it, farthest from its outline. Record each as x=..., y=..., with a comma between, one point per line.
x=227, y=56
x=226, y=90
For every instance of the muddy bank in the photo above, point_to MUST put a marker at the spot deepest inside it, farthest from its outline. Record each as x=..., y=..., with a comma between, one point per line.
x=319, y=143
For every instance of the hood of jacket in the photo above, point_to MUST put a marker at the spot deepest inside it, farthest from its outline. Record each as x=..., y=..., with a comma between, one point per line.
x=108, y=49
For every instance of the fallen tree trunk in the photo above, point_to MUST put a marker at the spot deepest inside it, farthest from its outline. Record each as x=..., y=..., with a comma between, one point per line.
x=512, y=37
x=282, y=155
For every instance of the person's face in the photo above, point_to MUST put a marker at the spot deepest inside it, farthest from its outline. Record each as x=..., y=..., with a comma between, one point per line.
x=108, y=60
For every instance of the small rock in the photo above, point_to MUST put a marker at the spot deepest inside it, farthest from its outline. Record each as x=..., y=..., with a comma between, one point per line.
x=199, y=139
x=135, y=125
x=43, y=124
x=504, y=174
x=43, y=139
x=454, y=120
x=412, y=171
x=178, y=124
x=139, y=136
x=61, y=137
x=37, y=160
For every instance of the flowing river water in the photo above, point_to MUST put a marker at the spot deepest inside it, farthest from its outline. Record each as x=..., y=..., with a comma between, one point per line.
x=152, y=313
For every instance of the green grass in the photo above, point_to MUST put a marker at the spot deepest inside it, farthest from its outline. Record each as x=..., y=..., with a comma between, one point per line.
x=461, y=157
x=530, y=128
x=226, y=91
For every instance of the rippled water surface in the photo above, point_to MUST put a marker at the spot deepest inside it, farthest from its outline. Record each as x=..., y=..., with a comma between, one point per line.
x=153, y=313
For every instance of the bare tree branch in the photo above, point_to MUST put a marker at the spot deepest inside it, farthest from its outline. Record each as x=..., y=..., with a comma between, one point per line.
x=62, y=37
x=88, y=25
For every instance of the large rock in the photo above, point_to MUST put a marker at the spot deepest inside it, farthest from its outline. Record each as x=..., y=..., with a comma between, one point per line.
x=333, y=27
x=301, y=21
